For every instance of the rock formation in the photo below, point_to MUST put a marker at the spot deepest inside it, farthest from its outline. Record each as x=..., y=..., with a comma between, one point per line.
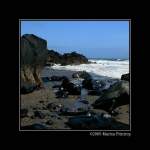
x=66, y=59
x=33, y=57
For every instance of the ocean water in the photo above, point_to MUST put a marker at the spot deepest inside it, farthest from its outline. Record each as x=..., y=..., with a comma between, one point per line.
x=100, y=68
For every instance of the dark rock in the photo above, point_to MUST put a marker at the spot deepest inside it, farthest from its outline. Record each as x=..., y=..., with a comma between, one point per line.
x=72, y=113
x=61, y=94
x=66, y=59
x=101, y=122
x=41, y=101
x=69, y=112
x=54, y=57
x=33, y=57
x=74, y=58
x=39, y=114
x=125, y=77
x=87, y=84
x=99, y=85
x=71, y=88
x=49, y=122
x=34, y=127
x=89, y=122
x=56, y=86
x=116, y=125
x=54, y=107
x=95, y=87
x=116, y=95
x=84, y=101
x=55, y=116
x=82, y=74
x=27, y=88
x=80, y=107
x=23, y=112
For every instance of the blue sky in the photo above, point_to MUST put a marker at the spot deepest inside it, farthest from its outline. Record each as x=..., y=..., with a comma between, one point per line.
x=94, y=39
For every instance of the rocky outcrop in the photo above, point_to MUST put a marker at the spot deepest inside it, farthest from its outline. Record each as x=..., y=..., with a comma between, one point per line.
x=33, y=57
x=54, y=57
x=74, y=58
x=116, y=95
x=125, y=77
x=66, y=59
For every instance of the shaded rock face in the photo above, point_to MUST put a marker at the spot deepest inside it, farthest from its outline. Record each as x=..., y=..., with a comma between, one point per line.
x=33, y=57
x=66, y=59
x=125, y=77
x=116, y=95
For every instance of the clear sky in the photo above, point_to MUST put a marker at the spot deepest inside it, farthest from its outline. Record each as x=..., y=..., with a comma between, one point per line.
x=94, y=39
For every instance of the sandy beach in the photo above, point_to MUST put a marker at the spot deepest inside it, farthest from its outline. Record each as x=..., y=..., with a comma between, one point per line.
x=39, y=100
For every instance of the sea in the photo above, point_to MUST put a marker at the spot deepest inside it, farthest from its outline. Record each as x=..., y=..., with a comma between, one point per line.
x=100, y=67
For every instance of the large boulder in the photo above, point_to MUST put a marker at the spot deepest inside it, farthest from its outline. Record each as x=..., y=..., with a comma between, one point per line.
x=33, y=57
x=125, y=77
x=116, y=95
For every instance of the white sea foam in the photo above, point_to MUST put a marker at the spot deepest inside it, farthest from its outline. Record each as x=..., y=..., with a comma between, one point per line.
x=108, y=68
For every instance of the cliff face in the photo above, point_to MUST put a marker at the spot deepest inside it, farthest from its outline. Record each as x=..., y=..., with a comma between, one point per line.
x=33, y=57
